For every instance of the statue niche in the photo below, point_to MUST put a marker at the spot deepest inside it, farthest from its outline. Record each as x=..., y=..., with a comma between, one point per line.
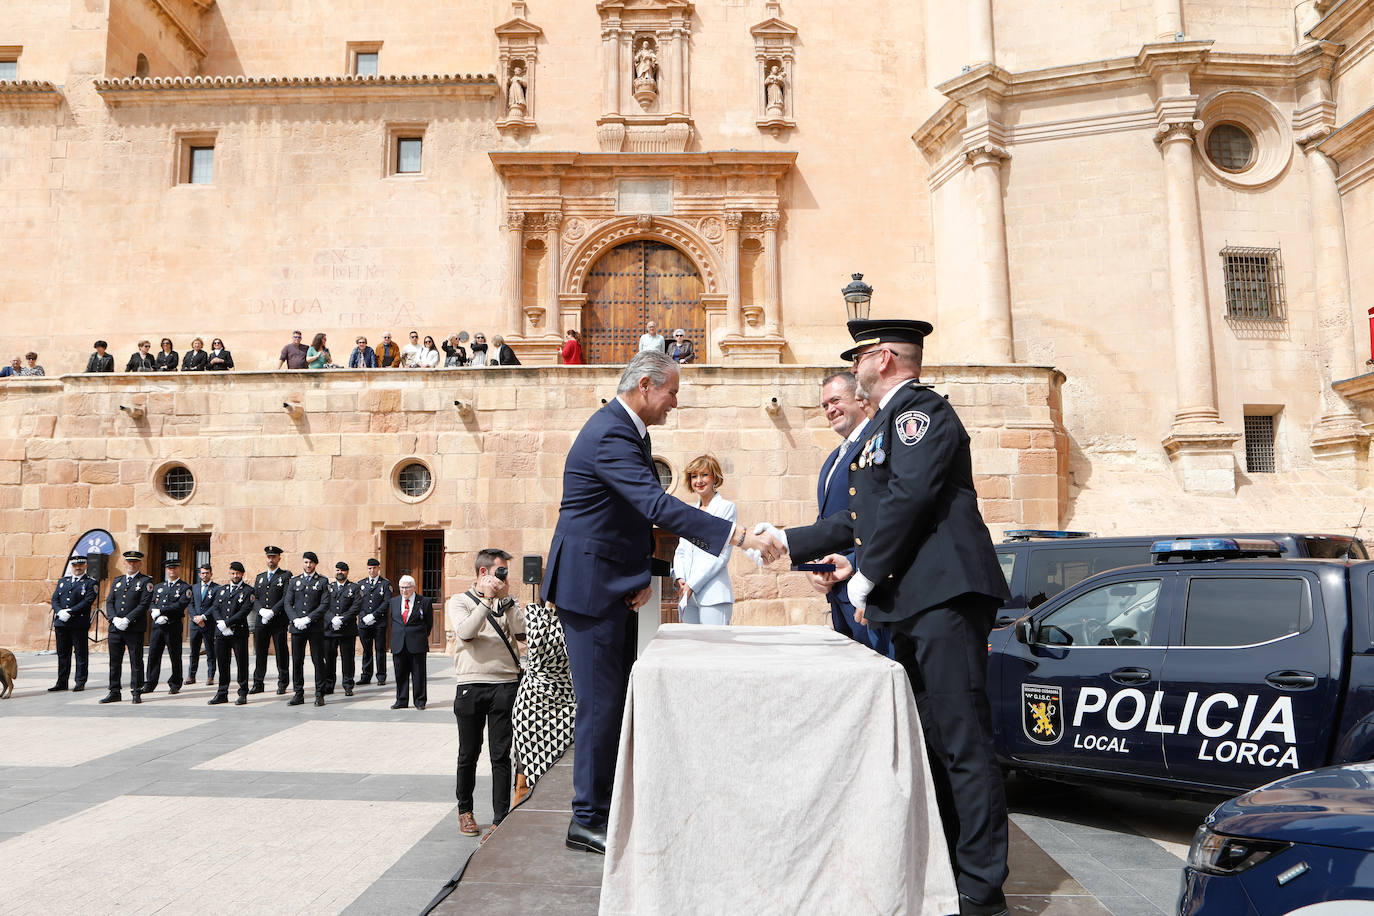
x=515, y=91
x=775, y=89
x=646, y=73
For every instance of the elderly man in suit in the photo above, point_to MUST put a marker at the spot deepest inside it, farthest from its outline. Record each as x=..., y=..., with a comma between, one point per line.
x=599, y=568
x=412, y=619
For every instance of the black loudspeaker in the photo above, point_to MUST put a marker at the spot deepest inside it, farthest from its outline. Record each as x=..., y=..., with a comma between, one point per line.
x=534, y=569
x=95, y=566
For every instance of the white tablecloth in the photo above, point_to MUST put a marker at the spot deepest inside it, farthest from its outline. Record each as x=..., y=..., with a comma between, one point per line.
x=772, y=770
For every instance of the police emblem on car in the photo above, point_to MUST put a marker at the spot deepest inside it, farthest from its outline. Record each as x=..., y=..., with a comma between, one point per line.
x=912, y=426
x=1042, y=713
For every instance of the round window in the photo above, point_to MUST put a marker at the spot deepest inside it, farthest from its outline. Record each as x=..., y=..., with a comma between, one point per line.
x=415, y=480
x=178, y=482
x=1231, y=147
x=664, y=472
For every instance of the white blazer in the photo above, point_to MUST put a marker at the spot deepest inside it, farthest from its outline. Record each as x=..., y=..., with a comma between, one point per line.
x=706, y=573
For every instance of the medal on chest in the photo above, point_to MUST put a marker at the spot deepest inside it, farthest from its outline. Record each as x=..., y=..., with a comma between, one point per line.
x=873, y=453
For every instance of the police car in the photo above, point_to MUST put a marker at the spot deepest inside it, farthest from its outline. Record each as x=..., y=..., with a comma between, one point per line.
x=1216, y=668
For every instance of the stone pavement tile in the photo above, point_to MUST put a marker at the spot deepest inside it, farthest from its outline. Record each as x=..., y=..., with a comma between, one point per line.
x=392, y=896
x=545, y=860
x=519, y=900
x=1138, y=851
x=47, y=740
x=40, y=813
x=310, y=866
x=1136, y=906
x=411, y=748
x=1158, y=885
x=1039, y=905
x=1098, y=879
x=1046, y=834
x=1032, y=872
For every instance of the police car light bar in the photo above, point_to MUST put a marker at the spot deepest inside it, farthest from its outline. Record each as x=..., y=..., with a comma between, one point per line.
x=1214, y=548
x=1025, y=534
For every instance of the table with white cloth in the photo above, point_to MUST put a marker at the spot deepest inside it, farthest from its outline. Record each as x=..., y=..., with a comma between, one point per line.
x=772, y=770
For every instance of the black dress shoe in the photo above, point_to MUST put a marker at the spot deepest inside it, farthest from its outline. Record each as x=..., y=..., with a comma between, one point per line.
x=174, y=691
x=319, y=701
x=419, y=705
x=78, y=688
x=587, y=839
x=366, y=680
x=348, y=691
x=55, y=688
x=192, y=679
x=137, y=699
x=400, y=705
x=296, y=700
x=329, y=691
x=381, y=682
x=111, y=698
x=257, y=688
x=215, y=701
x=147, y=689
x=281, y=690
x=970, y=907
x=241, y=701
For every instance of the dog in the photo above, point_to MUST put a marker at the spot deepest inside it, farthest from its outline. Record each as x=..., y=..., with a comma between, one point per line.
x=9, y=670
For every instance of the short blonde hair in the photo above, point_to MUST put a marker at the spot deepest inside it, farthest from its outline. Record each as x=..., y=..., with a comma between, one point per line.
x=708, y=464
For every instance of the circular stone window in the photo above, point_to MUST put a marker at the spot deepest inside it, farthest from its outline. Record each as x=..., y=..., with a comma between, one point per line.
x=1247, y=143
x=1230, y=147
x=178, y=483
x=664, y=472
x=414, y=480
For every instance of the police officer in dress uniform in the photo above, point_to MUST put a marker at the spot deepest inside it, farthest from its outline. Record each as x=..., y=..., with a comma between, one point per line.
x=203, y=623
x=268, y=621
x=167, y=612
x=234, y=605
x=71, y=619
x=341, y=629
x=127, y=610
x=307, y=605
x=924, y=565
x=374, y=596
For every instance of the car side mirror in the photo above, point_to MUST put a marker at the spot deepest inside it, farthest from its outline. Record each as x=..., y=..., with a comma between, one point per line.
x=1026, y=632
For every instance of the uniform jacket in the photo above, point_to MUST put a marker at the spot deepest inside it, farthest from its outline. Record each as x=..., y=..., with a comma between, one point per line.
x=195, y=361
x=269, y=591
x=76, y=594
x=612, y=498
x=412, y=636
x=98, y=363
x=374, y=599
x=913, y=517
x=707, y=573
x=204, y=606
x=307, y=596
x=344, y=600
x=170, y=600
x=130, y=597
x=234, y=605
x=835, y=498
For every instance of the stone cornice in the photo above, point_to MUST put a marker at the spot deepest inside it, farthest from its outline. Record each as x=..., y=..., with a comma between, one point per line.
x=28, y=94
x=185, y=34
x=1353, y=135
x=982, y=79
x=774, y=164
x=1344, y=20
x=1171, y=56
x=947, y=120
x=285, y=89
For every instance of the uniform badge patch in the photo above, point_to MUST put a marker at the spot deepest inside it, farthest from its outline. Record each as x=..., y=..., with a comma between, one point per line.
x=1042, y=713
x=912, y=426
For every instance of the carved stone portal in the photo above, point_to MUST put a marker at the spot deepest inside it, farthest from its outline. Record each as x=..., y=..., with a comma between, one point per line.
x=645, y=76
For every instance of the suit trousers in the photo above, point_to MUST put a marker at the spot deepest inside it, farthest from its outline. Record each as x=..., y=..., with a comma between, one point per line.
x=945, y=653
x=374, y=647
x=206, y=637
x=119, y=641
x=237, y=645
x=476, y=706
x=71, y=640
x=169, y=638
x=312, y=640
x=601, y=651
x=263, y=639
x=412, y=675
x=717, y=615
x=334, y=647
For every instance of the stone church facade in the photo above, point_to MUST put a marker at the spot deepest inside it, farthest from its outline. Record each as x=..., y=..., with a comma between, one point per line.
x=1141, y=230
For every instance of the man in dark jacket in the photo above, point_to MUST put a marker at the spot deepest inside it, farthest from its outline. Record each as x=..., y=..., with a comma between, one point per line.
x=100, y=361
x=412, y=619
x=341, y=630
x=307, y=604
x=127, y=610
x=268, y=621
x=374, y=599
x=233, y=607
x=71, y=620
x=202, y=623
x=167, y=611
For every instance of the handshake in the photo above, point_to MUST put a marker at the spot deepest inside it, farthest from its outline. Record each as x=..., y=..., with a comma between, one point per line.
x=859, y=585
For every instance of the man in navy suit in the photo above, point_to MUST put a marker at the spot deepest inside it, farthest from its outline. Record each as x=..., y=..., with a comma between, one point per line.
x=412, y=619
x=202, y=623
x=599, y=569
x=848, y=416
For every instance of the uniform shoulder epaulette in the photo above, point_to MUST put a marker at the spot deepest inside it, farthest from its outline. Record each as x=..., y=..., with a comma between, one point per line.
x=916, y=385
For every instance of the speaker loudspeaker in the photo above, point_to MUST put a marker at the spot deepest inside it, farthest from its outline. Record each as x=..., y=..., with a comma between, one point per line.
x=534, y=569
x=95, y=566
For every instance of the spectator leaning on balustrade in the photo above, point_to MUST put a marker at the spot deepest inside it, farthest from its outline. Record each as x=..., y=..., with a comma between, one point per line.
x=293, y=355
x=31, y=366
x=410, y=353
x=501, y=355
x=317, y=356
x=142, y=360
x=100, y=361
x=479, y=350
x=388, y=354
x=220, y=358
x=455, y=354
x=429, y=354
x=196, y=359
x=167, y=359
x=12, y=369
x=363, y=356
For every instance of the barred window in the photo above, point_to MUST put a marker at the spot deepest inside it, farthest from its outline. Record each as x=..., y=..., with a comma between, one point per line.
x=1259, y=443
x=1254, y=283
x=414, y=480
x=178, y=483
x=1231, y=147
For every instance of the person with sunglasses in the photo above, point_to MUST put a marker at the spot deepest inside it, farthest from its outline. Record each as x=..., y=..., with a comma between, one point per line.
x=429, y=354
x=480, y=357
x=410, y=353
x=167, y=358
x=363, y=356
x=293, y=355
x=142, y=360
x=220, y=358
x=388, y=354
x=681, y=349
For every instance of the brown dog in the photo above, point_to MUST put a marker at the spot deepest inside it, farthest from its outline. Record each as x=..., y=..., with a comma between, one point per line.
x=9, y=670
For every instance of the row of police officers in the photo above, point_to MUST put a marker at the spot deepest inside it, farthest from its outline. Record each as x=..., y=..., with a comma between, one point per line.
x=291, y=615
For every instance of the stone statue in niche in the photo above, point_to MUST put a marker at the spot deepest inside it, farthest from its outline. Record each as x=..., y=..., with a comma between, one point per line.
x=515, y=90
x=774, y=87
x=646, y=73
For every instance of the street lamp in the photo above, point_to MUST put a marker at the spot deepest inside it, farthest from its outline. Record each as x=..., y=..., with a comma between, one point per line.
x=858, y=295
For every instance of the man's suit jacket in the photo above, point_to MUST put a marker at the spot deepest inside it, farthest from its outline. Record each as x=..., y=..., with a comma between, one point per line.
x=373, y=598
x=612, y=499
x=835, y=498
x=344, y=600
x=199, y=605
x=269, y=591
x=75, y=594
x=130, y=597
x=234, y=606
x=412, y=636
x=308, y=596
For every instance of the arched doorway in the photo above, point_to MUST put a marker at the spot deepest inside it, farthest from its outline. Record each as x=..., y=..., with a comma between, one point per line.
x=632, y=284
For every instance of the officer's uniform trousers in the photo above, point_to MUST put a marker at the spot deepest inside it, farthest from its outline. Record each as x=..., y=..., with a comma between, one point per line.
x=72, y=640
x=164, y=637
x=373, y=641
x=235, y=644
x=119, y=642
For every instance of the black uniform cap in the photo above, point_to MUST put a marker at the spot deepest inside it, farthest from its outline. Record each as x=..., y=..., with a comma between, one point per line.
x=870, y=331
x=271, y=549
x=76, y=560
x=172, y=563
x=374, y=562
x=133, y=554
x=310, y=555
x=236, y=566
x=341, y=565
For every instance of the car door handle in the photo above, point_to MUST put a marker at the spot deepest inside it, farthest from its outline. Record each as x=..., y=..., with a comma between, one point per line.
x=1292, y=680
x=1131, y=675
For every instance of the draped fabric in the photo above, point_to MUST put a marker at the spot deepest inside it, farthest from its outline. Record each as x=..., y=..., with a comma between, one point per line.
x=545, y=702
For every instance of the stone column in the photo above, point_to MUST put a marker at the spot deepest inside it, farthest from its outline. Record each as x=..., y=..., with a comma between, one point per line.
x=1168, y=19
x=515, y=229
x=772, y=277
x=734, y=309
x=980, y=41
x=610, y=71
x=552, y=248
x=994, y=284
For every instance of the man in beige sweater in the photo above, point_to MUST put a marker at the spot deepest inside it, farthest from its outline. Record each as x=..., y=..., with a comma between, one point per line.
x=486, y=628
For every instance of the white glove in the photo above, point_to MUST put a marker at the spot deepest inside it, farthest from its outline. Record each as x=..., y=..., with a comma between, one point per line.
x=224, y=628
x=369, y=620
x=338, y=622
x=121, y=622
x=266, y=614
x=776, y=533
x=859, y=587
x=754, y=555
x=64, y=615
x=301, y=622
x=161, y=620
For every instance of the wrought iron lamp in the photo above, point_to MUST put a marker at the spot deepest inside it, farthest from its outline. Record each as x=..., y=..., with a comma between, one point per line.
x=858, y=296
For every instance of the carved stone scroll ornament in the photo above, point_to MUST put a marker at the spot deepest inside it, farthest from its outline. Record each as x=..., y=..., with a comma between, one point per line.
x=1174, y=131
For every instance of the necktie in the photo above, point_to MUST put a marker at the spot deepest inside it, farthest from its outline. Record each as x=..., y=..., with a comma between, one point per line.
x=405, y=614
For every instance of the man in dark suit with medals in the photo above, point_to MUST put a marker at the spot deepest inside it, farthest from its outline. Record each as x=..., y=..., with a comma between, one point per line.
x=924, y=566
x=412, y=619
x=72, y=600
x=599, y=569
x=168, y=610
x=127, y=610
x=307, y=603
x=202, y=623
x=341, y=630
x=232, y=609
x=268, y=621
x=374, y=601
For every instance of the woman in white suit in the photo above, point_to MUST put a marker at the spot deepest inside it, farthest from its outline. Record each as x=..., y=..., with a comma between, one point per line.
x=703, y=580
